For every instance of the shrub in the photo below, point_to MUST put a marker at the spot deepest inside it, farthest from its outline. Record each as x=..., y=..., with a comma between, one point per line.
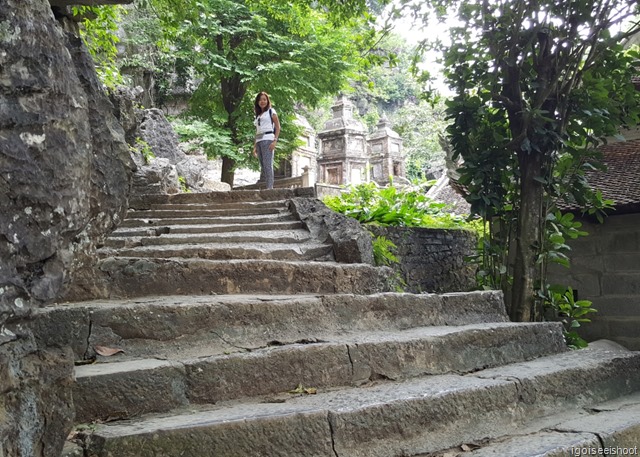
x=410, y=207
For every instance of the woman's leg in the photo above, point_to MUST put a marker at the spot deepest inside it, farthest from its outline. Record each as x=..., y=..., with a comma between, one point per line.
x=266, y=162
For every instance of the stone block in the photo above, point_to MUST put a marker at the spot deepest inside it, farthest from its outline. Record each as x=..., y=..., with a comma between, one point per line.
x=586, y=264
x=621, y=284
x=622, y=242
x=621, y=262
x=628, y=327
x=587, y=285
x=126, y=389
x=617, y=305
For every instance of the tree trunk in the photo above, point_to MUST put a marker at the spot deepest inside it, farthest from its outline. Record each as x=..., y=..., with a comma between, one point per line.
x=227, y=170
x=233, y=89
x=528, y=233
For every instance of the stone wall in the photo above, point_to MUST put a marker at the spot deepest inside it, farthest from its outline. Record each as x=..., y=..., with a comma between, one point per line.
x=605, y=268
x=432, y=260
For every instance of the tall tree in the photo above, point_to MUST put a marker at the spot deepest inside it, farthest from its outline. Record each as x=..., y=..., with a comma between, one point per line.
x=237, y=48
x=534, y=81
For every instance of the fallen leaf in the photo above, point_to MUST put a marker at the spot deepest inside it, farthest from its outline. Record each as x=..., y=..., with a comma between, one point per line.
x=304, y=390
x=107, y=352
x=297, y=390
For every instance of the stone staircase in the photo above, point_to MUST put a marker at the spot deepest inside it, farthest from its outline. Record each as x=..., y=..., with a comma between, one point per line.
x=223, y=243
x=303, y=356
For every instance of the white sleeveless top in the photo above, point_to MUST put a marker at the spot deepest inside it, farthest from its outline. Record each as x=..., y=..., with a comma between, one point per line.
x=264, y=124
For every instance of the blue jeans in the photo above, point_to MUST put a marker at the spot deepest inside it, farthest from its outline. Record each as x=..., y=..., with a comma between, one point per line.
x=265, y=156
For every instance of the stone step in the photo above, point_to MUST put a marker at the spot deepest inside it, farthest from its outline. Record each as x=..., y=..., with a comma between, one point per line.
x=220, y=372
x=180, y=326
x=191, y=221
x=610, y=428
x=144, y=201
x=145, y=230
x=240, y=236
x=383, y=419
x=273, y=204
x=123, y=277
x=227, y=250
x=202, y=212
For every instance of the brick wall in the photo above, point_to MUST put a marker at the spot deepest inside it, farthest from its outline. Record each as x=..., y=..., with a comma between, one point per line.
x=432, y=260
x=605, y=268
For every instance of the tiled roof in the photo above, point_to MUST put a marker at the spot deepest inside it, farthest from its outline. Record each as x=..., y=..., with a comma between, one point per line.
x=621, y=180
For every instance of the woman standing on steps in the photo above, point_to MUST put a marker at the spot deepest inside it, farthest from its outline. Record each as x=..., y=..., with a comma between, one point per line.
x=267, y=133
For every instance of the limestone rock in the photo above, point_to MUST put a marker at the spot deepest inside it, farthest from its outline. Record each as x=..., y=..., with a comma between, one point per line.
x=352, y=243
x=156, y=177
x=64, y=178
x=200, y=175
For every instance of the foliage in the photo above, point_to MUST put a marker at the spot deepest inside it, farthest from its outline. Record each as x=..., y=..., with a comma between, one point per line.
x=183, y=184
x=98, y=31
x=144, y=148
x=572, y=312
x=147, y=59
x=369, y=203
x=386, y=87
x=421, y=125
x=538, y=86
x=383, y=251
x=234, y=49
x=214, y=141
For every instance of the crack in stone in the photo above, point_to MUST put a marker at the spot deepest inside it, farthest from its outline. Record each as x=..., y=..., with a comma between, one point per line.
x=353, y=368
x=86, y=349
x=332, y=434
x=230, y=343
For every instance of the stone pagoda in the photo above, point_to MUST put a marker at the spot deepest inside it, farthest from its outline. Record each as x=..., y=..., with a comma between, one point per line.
x=348, y=156
x=386, y=153
x=344, y=155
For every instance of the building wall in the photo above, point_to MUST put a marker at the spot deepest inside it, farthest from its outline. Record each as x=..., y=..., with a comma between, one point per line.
x=605, y=268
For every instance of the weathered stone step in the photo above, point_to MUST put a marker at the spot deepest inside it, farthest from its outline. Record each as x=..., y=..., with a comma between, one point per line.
x=144, y=201
x=137, y=277
x=239, y=236
x=277, y=204
x=145, y=230
x=610, y=428
x=385, y=419
x=180, y=326
x=208, y=212
x=104, y=389
x=254, y=219
x=223, y=250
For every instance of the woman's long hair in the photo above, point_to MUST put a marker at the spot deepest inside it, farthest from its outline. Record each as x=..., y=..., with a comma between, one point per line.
x=257, y=108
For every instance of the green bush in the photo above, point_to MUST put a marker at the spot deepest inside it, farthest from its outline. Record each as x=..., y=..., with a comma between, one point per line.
x=410, y=207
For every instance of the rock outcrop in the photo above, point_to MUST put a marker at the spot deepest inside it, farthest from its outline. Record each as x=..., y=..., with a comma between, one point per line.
x=195, y=169
x=64, y=179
